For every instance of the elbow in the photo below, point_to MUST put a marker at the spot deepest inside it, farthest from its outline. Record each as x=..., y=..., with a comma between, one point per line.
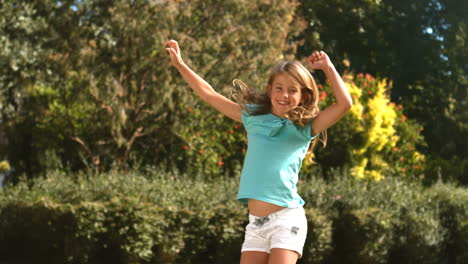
x=348, y=104
x=344, y=106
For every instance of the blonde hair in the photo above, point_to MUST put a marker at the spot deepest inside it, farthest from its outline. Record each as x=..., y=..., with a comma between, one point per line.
x=301, y=114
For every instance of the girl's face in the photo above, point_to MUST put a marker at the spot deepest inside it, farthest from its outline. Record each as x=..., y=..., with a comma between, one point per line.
x=285, y=94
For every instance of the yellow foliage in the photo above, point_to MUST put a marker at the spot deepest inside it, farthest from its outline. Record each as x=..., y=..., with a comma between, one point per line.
x=418, y=158
x=377, y=121
x=4, y=166
x=381, y=127
x=375, y=175
x=360, y=171
x=375, y=138
x=358, y=109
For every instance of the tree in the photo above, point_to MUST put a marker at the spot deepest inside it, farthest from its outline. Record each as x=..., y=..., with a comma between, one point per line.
x=98, y=87
x=32, y=39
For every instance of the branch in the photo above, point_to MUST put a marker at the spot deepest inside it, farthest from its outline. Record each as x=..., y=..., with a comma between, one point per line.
x=138, y=133
x=83, y=144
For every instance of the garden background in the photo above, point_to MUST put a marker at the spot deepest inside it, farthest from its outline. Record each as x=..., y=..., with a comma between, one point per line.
x=108, y=156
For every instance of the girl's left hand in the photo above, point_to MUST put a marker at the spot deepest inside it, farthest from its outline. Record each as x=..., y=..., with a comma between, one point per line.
x=319, y=60
x=174, y=51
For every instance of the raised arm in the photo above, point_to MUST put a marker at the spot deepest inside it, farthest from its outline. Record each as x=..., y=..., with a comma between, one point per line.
x=201, y=87
x=334, y=112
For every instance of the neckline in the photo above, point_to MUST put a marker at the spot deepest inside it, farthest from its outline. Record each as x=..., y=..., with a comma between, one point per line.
x=279, y=117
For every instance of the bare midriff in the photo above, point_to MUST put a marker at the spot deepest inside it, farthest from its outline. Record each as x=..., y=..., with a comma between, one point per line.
x=261, y=208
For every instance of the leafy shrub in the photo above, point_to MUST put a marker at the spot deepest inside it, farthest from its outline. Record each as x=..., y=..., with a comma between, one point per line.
x=452, y=210
x=419, y=236
x=411, y=229
x=166, y=218
x=120, y=218
x=318, y=245
x=374, y=139
x=213, y=145
x=363, y=236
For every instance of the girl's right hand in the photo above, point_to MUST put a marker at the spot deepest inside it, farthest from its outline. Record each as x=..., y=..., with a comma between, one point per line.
x=174, y=51
x=319, y=60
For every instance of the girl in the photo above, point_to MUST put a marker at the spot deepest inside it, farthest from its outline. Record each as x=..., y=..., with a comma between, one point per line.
x=280, y=125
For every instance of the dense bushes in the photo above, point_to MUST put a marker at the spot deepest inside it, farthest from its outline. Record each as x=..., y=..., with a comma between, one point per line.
x=160, y=218
x=120, y=219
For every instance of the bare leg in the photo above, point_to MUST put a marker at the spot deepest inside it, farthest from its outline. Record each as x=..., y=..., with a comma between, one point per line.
x=283, y=256
x=254, y=257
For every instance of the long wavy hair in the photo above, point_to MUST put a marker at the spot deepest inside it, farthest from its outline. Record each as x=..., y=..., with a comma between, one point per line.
x=301, y=114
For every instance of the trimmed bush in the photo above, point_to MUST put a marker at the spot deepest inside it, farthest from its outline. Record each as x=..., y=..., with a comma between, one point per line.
x=452, y=210
x=161, y=218
x=363, y=236
x=119, y=219
x=418, y=225
x=318, y=246
x=419, y=237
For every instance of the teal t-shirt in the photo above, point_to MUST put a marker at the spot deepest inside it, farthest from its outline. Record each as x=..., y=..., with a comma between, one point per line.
x=276, y=148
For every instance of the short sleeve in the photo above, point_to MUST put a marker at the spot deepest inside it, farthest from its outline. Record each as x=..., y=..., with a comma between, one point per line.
x=245, y=118
x=308, y=131
x=246, y=113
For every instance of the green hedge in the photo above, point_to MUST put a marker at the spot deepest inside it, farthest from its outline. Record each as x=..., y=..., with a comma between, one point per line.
x=161, y=218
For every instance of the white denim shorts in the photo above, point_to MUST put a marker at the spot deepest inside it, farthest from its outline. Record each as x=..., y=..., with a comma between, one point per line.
x=285, y=229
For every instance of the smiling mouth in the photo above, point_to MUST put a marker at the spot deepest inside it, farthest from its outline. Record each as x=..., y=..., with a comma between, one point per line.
x=282, y=102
